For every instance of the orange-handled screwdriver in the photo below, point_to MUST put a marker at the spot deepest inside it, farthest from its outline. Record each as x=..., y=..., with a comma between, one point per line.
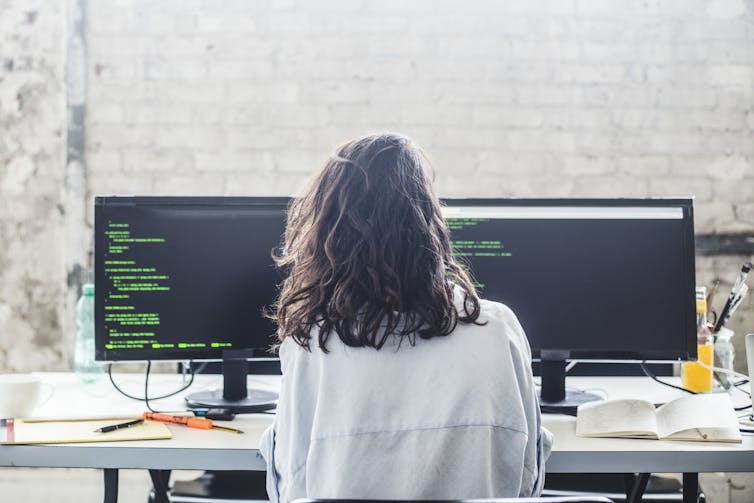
x=191, y=422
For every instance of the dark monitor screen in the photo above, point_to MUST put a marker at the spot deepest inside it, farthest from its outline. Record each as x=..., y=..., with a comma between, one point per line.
x=185, y=277
x=591, y=279
x=189, y=277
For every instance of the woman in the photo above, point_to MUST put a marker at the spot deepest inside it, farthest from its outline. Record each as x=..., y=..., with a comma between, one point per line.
x=398, y=381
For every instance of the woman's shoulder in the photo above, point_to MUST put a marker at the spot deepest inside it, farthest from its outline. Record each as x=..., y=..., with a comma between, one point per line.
x=488, y=309
x=496, y=310
x=501, y=320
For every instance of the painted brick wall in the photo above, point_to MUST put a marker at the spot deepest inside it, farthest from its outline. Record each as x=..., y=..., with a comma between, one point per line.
x=561, y=97
x=32, y=132
x=524, y=98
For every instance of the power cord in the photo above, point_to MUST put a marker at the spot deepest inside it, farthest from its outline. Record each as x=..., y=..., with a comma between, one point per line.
x=741, y=383
x=651, y=375
x=146, y=398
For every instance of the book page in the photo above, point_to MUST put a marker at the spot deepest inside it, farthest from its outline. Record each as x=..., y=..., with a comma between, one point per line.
x=616, y=418
x=701, y=417
x=728, y=435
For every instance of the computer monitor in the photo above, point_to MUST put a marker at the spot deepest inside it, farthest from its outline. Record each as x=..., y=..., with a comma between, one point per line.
x=589, y=279
x=180, y=278
x=188, y=278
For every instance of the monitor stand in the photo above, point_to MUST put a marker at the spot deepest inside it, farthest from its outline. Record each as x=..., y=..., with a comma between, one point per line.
x=554, y=396
x=234, y=395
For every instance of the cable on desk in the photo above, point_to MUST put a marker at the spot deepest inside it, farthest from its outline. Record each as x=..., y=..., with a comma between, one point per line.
x=146, y=396
x=736, y=385
x=654, y=377
x=741, y=383
x=649, y=374
x=146, y=387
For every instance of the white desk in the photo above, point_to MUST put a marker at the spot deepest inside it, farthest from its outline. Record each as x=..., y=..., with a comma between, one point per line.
x=572, y=454
x=216, y=450
x=189, y=449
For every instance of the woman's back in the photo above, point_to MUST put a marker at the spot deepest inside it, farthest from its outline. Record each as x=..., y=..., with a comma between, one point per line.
x=450, y=417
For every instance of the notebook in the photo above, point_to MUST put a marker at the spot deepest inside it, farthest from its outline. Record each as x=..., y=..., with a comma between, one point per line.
x=19, y=431
x=703, y=418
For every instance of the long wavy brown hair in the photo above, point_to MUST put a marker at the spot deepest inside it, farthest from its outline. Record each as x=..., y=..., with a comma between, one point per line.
x=368, y=251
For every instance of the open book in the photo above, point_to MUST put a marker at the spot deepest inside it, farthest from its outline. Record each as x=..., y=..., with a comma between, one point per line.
x=703, y=417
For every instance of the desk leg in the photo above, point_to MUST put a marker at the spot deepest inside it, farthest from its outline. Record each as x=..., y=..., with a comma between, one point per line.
x=111, y=485
x=690, y=487
x=638, y=488
x=160, y=481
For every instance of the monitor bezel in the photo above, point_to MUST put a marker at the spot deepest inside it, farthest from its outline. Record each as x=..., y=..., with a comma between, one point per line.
x=139, y=355
x=687, y=346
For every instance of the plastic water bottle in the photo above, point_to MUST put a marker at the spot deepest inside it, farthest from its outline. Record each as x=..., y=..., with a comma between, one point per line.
x=88, y=370
x=724, y=355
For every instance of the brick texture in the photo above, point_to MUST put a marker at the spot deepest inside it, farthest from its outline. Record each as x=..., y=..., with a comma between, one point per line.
x=515, y=98
x=32, y=131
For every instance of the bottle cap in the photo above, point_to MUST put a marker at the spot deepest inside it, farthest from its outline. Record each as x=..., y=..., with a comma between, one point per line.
x=87, y=289
x=701, y=292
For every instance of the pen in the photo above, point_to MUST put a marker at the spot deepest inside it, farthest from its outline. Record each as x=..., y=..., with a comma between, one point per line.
x=119, y=426
x=736, y=302
x=734, y=292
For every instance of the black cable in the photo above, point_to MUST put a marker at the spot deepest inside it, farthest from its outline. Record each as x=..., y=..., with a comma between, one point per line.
x=741, y=383
x=651, y=375
x=146, y=387
x=146, y=398
x=736, y=385
x=655, y=378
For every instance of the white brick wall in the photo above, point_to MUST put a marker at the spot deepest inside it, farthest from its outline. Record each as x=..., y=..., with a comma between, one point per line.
x=521, y=98
x=619, y=97
x=32, y=132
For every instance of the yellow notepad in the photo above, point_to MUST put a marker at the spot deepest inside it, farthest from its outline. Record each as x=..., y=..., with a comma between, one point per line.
x=18, y=431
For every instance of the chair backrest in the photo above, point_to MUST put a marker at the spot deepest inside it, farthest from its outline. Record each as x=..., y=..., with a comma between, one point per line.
x=554, y=499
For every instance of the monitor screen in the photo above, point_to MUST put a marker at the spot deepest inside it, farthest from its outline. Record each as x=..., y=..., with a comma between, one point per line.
x=185, y=277
x=179, y=278
x=592, y=278
x=188, y=277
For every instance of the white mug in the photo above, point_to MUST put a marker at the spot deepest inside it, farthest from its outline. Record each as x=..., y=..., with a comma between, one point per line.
x=20, y=394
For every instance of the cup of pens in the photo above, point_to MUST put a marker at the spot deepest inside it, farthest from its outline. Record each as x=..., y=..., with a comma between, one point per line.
x=736, y=295
x=724, y=351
